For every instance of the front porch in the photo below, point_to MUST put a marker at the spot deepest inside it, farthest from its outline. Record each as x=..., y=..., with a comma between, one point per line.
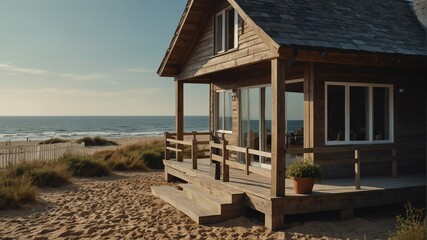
x=253, y=191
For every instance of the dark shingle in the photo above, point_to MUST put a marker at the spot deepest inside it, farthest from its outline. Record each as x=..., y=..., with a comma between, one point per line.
x=380, y=26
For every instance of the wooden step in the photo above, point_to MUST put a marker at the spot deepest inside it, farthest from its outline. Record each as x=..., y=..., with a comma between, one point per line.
x=225, y=207
x=217, y=189
x=202, y=198
x=180, y=201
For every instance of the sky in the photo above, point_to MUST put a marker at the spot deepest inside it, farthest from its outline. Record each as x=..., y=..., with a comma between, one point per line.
x=90, y=57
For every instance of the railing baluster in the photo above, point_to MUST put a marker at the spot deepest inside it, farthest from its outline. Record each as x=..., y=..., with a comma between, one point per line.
x=357, y=168
x=194, y=152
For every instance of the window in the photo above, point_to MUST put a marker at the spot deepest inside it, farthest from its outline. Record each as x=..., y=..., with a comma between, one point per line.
x=226, y=30
x=224, y=120
x=358, y=113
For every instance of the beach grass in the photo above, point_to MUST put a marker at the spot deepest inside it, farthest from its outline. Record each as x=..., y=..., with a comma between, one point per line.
x=41, y=174
x=410, y=226
x=52, y=141
x=16, y=191
x=96, y=141
x=142, y=156
x=85, y=166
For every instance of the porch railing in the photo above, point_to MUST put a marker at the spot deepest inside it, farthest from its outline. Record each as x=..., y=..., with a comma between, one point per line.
x=178, y=146
x=219, y=154
x=223, y=157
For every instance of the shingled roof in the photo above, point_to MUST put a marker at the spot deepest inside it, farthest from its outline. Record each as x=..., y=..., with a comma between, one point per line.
x=376, y=26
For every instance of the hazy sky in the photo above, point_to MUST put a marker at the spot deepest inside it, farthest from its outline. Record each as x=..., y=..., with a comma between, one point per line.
x=89, y=57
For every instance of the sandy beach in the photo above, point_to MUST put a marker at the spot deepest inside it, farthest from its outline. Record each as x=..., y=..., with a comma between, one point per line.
x=122, y=207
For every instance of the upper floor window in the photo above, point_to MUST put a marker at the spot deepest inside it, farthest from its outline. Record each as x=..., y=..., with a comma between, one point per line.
x=358, y=113
x=226, y=30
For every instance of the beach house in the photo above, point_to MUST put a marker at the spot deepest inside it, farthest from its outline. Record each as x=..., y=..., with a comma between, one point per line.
x=357, y=69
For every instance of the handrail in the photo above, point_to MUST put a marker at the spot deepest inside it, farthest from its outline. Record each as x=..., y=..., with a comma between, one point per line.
x=178, y=149
x=245, y=150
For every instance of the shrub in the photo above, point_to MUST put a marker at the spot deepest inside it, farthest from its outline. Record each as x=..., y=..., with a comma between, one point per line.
x=96, y=141
x=304, y=168
x=152, y=158
x=410, y=227
x=15, y=191
x=41, y=174
x=52, y=141
x=85, y=166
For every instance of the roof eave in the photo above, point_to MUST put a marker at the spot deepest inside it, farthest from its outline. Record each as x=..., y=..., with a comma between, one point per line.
x=184, y=16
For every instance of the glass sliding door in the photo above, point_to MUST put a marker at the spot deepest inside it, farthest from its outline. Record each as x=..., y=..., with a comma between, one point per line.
x=255, y=121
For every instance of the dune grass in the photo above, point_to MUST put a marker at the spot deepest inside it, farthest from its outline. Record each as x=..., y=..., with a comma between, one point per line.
x=16, y=191
x=52, y=141
x=41, y=174
x=84, y=166
x=142, y=156
x=410, y=226
x=96, y=141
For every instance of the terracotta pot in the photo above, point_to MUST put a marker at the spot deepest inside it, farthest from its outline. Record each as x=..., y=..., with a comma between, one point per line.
x=303, y=185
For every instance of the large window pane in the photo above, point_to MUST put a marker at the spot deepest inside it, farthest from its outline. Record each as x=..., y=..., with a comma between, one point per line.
x=267, y=121
x=230, y=29
x=381, y=113
x=254, y=116
x=336, y=113
x=218, y=33
x=228, y=112
x=220, y=111
x=244, y=118
x=359, y=113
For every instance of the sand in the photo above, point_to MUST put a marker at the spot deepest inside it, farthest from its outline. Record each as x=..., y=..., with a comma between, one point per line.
x=122, y=207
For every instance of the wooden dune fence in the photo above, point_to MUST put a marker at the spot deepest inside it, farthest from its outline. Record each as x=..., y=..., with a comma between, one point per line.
x=15, y=155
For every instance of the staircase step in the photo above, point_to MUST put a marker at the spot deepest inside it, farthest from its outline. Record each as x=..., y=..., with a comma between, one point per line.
x=202, y=198
x=221, y=191
x=179, y=200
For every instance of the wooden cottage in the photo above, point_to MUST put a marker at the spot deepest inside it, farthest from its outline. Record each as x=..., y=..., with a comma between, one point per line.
x=357, y=70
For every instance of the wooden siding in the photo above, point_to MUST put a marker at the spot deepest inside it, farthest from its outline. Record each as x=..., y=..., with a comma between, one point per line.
x=201, y=59
x=409, y=120
x=409, y=113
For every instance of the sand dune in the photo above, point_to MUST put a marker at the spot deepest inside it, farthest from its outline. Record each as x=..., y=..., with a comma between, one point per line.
x=122, y=207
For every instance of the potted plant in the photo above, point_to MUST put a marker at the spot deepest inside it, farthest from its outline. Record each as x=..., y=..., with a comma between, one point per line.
x=303, y=173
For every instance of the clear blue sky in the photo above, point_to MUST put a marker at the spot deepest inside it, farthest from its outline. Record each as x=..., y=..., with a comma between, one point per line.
x=89, y=57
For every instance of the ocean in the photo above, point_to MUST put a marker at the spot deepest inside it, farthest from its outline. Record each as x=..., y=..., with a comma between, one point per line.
x=41, y=128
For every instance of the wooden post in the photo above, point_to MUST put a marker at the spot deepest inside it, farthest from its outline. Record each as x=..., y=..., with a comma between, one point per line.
x=394, y=162
x=248, y=161
x=309, y=86
x=225, y=167
x=194, y=153
x=357, y=169
x=167, y=154
x=179, y=117
x=278, y=135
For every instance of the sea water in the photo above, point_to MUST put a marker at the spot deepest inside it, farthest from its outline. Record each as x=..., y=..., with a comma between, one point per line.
x=45, y=127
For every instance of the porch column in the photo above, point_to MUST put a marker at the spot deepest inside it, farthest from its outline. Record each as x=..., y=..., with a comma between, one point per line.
x=179, y=116
x=278, y=126
x=309, y=109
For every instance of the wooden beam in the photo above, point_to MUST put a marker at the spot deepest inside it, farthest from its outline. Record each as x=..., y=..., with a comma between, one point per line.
x=354, y=58
x=309, y=108
x=179, y=116
x=278, y=134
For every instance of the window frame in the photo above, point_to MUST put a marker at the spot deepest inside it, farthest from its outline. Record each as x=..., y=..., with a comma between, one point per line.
x=371, y=136
x=217, y=116
x=224, y=32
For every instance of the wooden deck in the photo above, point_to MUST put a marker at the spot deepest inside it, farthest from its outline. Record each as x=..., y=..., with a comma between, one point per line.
x=338, y=194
